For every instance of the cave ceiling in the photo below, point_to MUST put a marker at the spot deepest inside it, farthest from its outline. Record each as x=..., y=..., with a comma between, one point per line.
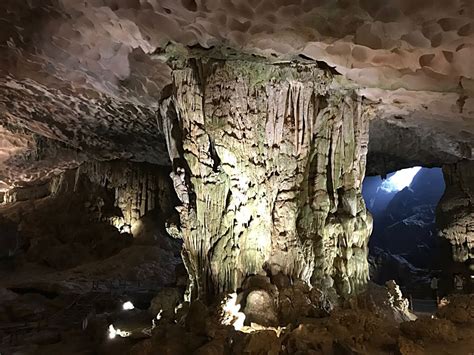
x=83, y=79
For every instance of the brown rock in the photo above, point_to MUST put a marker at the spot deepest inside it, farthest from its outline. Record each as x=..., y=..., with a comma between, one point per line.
x=260, y=308
x=165, y=302
x=430, y=329
x=408, y=347
x=196, y=320
x=309, y=337
x=142, y=348
x=214, y=347
x=460, y=309
x=263, y=342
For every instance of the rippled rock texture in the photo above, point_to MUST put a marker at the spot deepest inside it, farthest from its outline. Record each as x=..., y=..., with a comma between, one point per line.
x=268, y=163
x=84, y=78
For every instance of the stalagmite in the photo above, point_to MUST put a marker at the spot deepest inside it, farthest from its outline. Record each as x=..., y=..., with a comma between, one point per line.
x=274, y=158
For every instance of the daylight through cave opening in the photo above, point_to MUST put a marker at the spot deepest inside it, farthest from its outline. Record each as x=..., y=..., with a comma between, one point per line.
x=405, y=245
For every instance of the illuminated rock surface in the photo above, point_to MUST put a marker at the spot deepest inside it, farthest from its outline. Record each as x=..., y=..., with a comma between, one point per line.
x=456, y=213
x=275, y=160
x=236, y=133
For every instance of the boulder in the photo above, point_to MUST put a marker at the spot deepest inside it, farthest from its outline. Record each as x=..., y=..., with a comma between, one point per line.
x=295, y=302
x=460, y=309
x=165, y=302
x=409, y=347
x=264, y=342
x=214, y=347
x=173, y=339
x=196, y=319
x=309, y=337
x=260, y=308
x=430, y=329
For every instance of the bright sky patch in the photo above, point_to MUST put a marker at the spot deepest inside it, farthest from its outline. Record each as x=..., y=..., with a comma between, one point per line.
x=400, y=179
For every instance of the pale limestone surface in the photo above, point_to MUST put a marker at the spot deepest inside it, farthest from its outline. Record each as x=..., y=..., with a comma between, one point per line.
x=274, y=158
x=100, y=67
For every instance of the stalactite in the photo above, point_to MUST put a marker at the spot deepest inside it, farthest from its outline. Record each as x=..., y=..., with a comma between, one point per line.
x=136, y=186
x=275, y=157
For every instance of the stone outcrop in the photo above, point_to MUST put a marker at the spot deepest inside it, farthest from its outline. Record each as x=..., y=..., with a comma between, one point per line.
x=272, y=158
x=408, y=140
x=69, y=221
x=455, y=214
x=138, y=189
x=459, y=309
x=430, y=329
x=47, y=130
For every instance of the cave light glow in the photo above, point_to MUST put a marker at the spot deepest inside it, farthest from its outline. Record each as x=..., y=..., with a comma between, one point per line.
x=401, y=179
x=128, y=306
x=232, y=313
x=158, y=316
x=114, y=332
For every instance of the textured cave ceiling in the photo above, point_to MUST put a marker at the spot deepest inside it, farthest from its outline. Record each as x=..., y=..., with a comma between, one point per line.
x=83, y=79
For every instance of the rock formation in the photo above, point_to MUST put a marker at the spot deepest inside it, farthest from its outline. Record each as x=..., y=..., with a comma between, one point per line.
x=237, y=134
x=455, y=212
x=274, y=157
x=138, y=189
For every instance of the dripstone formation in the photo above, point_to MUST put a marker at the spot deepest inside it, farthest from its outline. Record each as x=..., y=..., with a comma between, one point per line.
x=455, y=214
x=185, y=176
x=268, y=162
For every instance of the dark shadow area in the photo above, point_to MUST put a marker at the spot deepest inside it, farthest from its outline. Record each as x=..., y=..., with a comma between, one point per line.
x=404, y=245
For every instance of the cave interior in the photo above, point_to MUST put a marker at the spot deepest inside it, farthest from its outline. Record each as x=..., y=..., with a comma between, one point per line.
x=236, y=177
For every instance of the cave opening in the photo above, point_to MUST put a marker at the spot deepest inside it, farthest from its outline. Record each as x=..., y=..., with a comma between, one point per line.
x=404, y=245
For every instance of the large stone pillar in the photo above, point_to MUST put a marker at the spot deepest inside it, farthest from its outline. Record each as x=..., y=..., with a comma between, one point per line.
x=455, y=212
x=269, y=162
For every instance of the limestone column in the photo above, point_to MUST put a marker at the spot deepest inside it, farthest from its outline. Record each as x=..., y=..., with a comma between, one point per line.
x=273, y=158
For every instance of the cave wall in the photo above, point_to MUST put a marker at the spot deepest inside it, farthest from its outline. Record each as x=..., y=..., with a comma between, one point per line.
x=405, y=141
x=268, y=163
x=455, y=213
x=138, y=189
x=89, y=214
x=59, y=224
x=134, y=189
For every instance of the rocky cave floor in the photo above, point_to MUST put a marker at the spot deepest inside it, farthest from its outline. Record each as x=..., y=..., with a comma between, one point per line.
x=64, y=285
